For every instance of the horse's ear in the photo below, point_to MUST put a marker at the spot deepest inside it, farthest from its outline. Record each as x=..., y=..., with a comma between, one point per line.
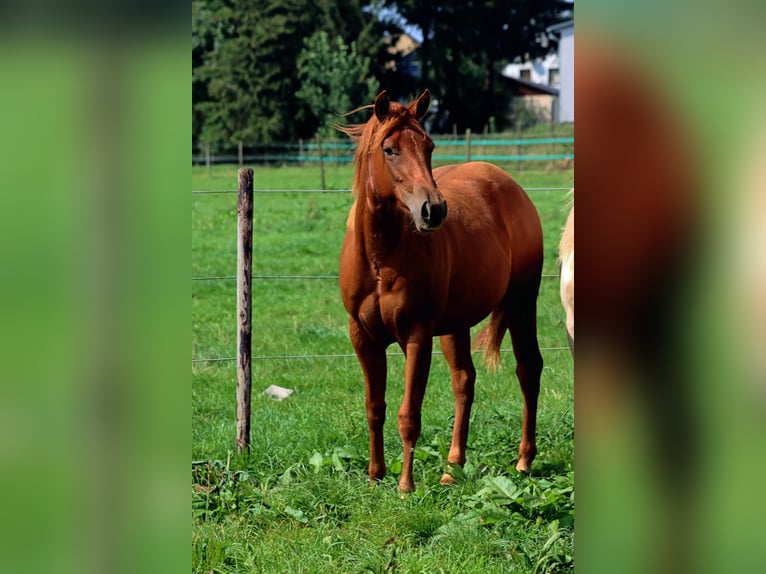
x=382, y=104
x=422, y=104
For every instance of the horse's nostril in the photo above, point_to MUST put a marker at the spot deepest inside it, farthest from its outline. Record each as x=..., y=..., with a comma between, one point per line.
x=433, y=214
x=442, y=210
x=438, y=212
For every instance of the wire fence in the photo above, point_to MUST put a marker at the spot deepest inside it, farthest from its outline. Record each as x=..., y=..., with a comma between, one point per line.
x=289, y=277
x=324, y=277
x=202, y=192
x=342, y=355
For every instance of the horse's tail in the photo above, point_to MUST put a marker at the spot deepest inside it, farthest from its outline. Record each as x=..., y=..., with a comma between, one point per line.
x=491, y=337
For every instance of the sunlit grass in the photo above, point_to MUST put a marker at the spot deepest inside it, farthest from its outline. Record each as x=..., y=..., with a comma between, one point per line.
x=299, y=502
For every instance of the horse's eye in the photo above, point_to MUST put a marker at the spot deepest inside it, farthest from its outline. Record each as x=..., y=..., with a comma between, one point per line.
x=388, y=150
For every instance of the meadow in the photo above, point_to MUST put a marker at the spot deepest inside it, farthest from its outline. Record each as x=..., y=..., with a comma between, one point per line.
x=299, y=502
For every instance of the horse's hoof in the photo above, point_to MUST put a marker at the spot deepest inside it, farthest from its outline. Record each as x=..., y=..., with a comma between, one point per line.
x=447, y=480
x=406, y=488
x=523, y=466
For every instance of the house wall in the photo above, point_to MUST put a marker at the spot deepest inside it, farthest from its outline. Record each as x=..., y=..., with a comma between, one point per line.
x=541, y=104
x=538, y=69
x=566, y=72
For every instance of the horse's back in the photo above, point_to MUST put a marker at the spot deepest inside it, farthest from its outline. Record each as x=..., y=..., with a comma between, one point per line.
x=482, y=185
x=482, y=199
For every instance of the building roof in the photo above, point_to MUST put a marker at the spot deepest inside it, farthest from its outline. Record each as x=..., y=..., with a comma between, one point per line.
x=527, y=88
x=560, y=26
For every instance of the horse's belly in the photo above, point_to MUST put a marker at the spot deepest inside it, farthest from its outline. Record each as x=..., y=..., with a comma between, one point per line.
x=401, y=310
x=476, y=288
x=466, y=314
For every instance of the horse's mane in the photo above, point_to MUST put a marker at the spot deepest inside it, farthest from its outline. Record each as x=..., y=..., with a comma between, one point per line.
x=370, y=135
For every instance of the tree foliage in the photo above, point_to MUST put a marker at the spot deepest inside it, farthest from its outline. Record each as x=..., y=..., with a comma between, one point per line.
x=334, y=78
x=244, y=64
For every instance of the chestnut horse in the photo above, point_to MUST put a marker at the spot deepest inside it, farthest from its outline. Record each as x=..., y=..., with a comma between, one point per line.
x=412, y=269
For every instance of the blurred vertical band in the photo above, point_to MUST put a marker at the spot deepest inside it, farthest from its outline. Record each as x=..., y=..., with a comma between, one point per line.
x=94, y=404
x=670, y=380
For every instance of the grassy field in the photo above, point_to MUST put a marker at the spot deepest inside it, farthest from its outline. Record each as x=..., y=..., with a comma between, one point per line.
x=299, y=502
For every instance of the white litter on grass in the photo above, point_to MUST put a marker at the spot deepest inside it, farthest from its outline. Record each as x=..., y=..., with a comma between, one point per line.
x=277, y=393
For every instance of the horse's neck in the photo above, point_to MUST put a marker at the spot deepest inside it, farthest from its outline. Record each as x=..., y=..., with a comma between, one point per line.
x=379, y=225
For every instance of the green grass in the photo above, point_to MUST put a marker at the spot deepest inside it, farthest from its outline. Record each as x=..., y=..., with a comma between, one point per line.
x=299, y=502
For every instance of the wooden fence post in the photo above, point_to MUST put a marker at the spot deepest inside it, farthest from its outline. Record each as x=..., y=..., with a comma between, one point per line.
x=468, y=144
x=240, y=153
x=244, y=306
x=207, y=157
x=321, y=160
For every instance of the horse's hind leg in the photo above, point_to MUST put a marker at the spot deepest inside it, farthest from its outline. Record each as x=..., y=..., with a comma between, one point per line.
x=457, y=352
x=521, y=310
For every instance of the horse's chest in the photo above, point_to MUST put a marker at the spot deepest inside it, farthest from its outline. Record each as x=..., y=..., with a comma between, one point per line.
x=390, y=310
x=403, y=303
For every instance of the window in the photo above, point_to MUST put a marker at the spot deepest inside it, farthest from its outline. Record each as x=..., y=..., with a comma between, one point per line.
x=525, y=75
x=553, y=77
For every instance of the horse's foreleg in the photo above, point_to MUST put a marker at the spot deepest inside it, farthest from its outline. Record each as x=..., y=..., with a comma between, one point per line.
x=418, y=363
x=372, y=358
x=457, y=352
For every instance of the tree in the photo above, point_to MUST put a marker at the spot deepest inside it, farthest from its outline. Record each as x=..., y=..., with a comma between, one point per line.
x=250, y=91
x=244, y=56
x=334, y=77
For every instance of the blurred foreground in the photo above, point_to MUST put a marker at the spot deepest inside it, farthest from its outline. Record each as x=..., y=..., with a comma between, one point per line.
x=670, y=379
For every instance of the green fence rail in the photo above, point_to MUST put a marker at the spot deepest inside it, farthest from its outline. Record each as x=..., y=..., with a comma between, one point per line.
x=447, y=149
x=458, y=143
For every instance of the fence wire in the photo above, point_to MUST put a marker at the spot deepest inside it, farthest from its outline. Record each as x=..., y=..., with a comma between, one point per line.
x=202, y=192
x=332, y=277
x=341, y=355
x=283, y=277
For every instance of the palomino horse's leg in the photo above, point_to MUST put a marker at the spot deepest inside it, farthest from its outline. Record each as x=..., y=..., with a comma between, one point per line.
x=457, y=352
x=521, y=309
x=418, y=362
x=372, y=358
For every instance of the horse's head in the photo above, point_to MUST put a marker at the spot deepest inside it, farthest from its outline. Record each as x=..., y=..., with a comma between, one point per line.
x=400, y=157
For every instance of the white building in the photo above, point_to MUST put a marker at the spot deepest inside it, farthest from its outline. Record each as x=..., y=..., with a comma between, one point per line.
x=543, y=71
x=552, y=74
x=565, y=30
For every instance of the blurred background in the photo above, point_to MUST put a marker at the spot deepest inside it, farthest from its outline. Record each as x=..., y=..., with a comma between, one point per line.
x=269, y=77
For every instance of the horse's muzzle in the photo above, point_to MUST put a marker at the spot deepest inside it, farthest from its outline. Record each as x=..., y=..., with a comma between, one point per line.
x=433, y=215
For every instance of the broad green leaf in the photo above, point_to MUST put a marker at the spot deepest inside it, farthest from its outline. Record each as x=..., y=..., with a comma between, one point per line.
x=297, y=514
x=317, y=461
x=347, y=451
x=504, y=486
